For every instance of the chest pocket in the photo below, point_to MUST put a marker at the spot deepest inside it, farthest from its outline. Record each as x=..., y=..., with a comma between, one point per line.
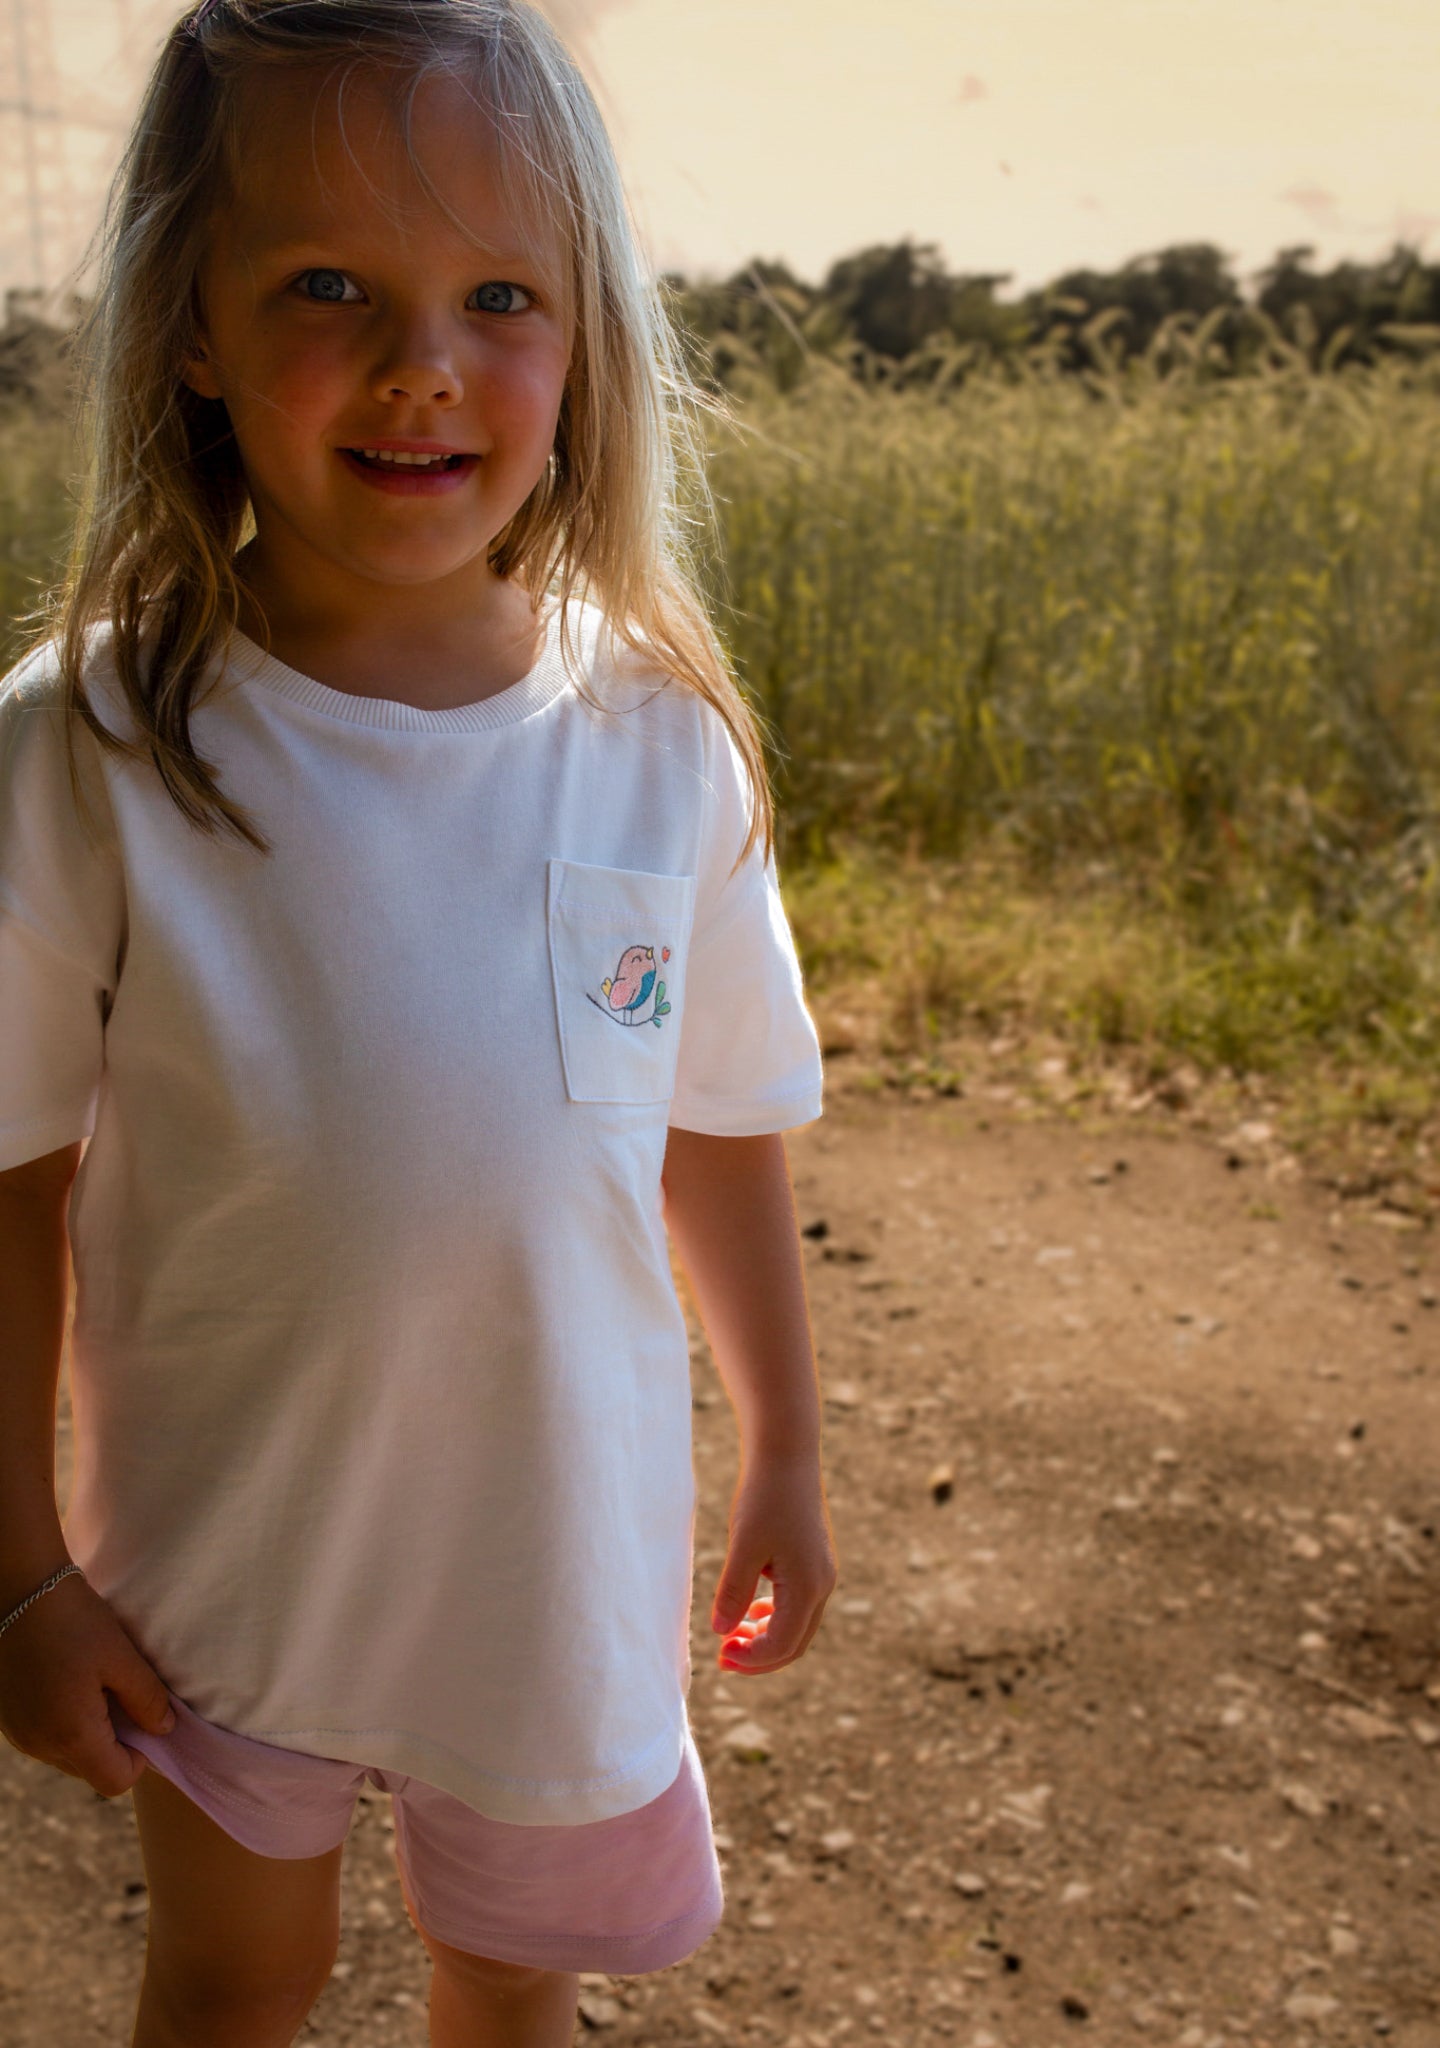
x=619, y=939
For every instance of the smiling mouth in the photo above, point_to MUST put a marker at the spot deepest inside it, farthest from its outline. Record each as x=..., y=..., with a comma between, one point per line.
x=427, y=465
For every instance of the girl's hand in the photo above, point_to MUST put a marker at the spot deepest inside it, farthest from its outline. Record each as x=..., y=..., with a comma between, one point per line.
x=779, y=1528
x=56, y=1662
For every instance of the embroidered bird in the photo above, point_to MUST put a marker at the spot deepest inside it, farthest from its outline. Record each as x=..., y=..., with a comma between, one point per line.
x=633, y=979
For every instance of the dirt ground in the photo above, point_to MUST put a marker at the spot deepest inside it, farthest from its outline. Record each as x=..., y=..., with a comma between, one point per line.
x=1124, y=1720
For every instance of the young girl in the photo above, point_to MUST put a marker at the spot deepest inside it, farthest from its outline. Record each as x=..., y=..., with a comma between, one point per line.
x=387, y=893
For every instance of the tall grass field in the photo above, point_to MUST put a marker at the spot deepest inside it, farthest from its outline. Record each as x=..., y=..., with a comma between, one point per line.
x=1107, y=702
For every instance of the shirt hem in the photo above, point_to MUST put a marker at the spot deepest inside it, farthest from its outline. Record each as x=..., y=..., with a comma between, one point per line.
x=35, y=1136
x=524, y=1802
x=745, y=1120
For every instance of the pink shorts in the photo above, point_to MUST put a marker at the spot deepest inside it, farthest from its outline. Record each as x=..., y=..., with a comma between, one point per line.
x=638, y=1892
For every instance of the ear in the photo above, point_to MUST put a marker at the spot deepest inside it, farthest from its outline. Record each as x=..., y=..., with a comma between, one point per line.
x=199, y=373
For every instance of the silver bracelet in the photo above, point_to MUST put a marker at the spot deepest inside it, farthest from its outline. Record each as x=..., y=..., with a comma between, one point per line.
x=54, y=1580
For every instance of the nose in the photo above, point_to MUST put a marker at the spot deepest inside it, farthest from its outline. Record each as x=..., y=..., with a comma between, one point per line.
x=419, y=364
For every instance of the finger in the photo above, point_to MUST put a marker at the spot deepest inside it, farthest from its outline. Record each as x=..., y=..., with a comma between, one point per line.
x=140, y=1689
x=733, y=1596
x=777, y=1640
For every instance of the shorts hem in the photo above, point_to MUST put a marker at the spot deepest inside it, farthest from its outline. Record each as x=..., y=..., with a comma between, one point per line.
x=253, y=1827
x=616, y=1955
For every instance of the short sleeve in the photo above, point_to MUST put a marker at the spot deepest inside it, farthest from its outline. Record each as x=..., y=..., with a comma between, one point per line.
x=61, y=927
x=749, y=1055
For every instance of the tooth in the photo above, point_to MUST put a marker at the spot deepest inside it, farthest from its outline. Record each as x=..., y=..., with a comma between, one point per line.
x=393, y=456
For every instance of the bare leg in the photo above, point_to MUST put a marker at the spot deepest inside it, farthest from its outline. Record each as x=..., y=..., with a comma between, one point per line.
x=239, y=1946
x=476, y=2002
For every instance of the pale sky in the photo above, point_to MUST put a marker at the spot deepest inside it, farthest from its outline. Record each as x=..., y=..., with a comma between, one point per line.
x=1029, y=136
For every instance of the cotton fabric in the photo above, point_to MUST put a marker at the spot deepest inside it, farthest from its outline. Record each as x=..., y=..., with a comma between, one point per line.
x=380, y=1381
x=635, y=1893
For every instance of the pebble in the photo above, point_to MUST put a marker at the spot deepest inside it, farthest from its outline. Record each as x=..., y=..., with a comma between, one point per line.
x=1360, y=1722
x=1302, y=1799
x=747, y=1741
x=1311, y=2005
x=597, y=2010
x=971, y=1885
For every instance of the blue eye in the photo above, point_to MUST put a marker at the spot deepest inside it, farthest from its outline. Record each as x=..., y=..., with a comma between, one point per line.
x=335, y=277
x=497, y=287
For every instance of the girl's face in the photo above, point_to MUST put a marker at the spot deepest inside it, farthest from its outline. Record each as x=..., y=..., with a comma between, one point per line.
x=342, y=311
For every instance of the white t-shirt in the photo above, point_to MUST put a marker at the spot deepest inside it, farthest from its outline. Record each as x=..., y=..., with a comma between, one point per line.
x=381, y=1384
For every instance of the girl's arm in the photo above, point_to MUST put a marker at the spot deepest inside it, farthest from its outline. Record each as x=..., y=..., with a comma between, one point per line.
x=730, y=1212
x=60, y=1657
x=34, y=1282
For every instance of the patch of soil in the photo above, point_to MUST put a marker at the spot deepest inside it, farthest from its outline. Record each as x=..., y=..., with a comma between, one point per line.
x=1123, y=1723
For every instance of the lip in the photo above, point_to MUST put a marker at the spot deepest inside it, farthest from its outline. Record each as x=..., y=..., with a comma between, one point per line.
x=409, y=483
x=411, y=447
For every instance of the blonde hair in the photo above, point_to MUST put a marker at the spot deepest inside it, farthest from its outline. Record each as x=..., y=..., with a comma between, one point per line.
x=165, y=505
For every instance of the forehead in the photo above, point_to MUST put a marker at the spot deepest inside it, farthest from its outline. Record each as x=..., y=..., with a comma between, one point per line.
x=322, y=151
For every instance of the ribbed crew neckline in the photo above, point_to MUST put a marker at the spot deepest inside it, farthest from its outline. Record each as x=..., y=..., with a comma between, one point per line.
x=532, y=693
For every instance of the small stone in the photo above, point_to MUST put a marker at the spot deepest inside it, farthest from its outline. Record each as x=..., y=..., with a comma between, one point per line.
x=598, y=2010
x=748, y=1742
x=835, y=1843
x=971, y=1885
x=710, y=2022
x=1367, y=1726
x=1302, y=1799
x=1308, y=1547
x=844, y=1394
x=1310, y=2005
x=1344, y=1941
x=1076, y=1890
x=1426, y=1732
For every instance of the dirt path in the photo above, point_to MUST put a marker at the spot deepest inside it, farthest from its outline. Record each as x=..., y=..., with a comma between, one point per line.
x=1124, y=1722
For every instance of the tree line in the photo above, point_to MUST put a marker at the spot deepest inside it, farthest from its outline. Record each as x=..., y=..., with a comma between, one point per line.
x=893, y=313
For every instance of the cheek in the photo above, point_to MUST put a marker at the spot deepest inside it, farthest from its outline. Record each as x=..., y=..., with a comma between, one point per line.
x=529, y=393
x=303, y=380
